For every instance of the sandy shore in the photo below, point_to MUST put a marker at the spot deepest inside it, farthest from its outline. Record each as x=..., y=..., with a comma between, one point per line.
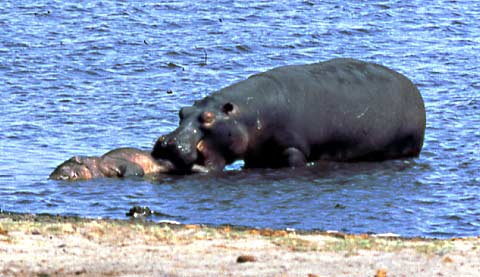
x=35, y=245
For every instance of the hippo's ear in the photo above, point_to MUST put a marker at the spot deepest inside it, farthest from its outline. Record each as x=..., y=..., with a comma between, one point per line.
x=229, y=108
x=76, y=159
x=185, y=112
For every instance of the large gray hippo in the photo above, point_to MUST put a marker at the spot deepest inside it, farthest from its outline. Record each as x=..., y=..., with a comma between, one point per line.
x=338, y=110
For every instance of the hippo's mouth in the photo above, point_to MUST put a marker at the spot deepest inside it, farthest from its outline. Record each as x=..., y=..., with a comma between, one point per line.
x=207, y=158
x=202, y=162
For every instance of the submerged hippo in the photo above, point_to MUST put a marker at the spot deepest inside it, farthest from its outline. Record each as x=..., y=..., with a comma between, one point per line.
x=338, y=110
x=121, y=162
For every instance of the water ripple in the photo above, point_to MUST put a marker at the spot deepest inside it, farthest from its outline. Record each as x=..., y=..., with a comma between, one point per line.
x=84, y=78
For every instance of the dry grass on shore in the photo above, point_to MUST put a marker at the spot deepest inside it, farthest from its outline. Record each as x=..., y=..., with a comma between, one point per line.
x=51, y=246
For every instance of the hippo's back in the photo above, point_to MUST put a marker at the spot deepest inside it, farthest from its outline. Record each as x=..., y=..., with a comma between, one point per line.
x=350, y=104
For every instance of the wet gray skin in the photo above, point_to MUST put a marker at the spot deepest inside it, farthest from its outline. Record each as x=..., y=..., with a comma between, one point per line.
x=121, y=162
x=341, y=110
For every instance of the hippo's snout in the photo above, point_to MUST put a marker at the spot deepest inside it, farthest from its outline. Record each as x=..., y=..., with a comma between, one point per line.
x=181, y=152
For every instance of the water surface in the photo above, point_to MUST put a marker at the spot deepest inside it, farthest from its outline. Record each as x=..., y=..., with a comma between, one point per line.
x=84, y=78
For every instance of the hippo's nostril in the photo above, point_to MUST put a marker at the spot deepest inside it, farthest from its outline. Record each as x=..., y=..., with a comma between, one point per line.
x=164, y=142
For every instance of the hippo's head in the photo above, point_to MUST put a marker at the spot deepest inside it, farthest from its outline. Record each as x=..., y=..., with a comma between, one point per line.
x=210, y=134
x=75, y=168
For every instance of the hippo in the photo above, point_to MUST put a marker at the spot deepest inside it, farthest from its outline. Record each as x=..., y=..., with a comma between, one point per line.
x=120, y=162
x=342, y=110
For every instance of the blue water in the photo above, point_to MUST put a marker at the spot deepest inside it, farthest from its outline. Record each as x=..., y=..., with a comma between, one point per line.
x=84, y=78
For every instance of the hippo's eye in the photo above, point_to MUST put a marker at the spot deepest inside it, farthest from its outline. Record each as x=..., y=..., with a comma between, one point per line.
x=207, y=118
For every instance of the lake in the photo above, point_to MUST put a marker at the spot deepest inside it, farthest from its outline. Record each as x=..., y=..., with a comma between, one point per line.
x=84, y=78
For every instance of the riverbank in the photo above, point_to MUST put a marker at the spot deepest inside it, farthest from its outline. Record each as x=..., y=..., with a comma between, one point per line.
x=45, y=245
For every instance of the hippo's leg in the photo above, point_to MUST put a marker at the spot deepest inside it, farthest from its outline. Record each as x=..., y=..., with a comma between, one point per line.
x=294, y=157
